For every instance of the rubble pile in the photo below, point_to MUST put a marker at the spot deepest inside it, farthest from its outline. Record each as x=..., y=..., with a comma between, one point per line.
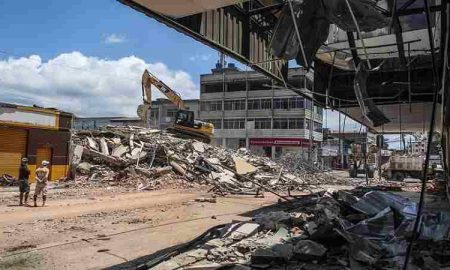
x=150, y=158
x=330, y=230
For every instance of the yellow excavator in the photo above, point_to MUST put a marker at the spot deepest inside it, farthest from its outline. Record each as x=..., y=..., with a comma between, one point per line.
x=185, y=125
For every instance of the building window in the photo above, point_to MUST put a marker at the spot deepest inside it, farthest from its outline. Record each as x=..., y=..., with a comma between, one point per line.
x=281, y=103
x=296, y=103
x=236, y=86
x=228, y=105
x=254, y=104
x=234, y=124
x=308, y=104
x=280, y=123
x=260, y=85
x=296, y=123
x=216, y=122
x=154, y=113
x=234, y=105
x=212, y=88
x=318, y=110
x=308, y=124
x=239, y=105
x=171, y=112
x=210, y=106
x=266, y=104
x=317, y=126
x=263, y=123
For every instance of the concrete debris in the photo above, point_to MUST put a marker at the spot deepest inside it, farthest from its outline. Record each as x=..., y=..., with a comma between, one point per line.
x=306, y=237
x=120, y=151
x=104, y=147
x=198, y=146
x=128, y=155
x=244, y=230
x=203, y=199
x=84, y=167
x=243, y=167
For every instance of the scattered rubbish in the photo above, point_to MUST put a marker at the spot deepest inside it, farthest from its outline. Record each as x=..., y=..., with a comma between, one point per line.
x=203, y=199
x=147, y=159
x=335, y=231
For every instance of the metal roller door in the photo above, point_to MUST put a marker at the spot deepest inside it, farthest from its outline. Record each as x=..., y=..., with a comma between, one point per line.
x=44, y=153
x=13, y=145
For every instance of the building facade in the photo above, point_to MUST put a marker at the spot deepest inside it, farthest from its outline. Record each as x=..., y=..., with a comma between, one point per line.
x=37, y=134
x=248, y=112
x=96, y=123
x=162, y=112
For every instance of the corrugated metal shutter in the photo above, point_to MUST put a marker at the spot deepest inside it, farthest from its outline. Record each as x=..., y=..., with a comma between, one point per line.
x=44, y=153
x=13, y=144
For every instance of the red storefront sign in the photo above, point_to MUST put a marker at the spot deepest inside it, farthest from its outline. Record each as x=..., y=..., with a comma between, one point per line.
x=298, y=142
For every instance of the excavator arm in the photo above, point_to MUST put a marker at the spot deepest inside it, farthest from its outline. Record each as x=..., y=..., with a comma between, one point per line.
x=149, y=79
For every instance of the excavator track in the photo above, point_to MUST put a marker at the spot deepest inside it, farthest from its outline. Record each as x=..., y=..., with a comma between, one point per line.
x=186, y=134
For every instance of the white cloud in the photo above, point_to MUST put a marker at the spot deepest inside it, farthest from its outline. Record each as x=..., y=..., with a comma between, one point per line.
x=86, y=86
x=114, y=38
x=200, y=57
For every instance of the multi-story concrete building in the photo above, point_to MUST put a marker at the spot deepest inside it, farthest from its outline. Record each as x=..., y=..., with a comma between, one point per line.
x=248, y=112
x=96, y=123
x=162, y=112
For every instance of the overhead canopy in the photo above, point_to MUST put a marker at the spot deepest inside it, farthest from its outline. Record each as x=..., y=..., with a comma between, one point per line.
x=404, y=118
x=181, y=8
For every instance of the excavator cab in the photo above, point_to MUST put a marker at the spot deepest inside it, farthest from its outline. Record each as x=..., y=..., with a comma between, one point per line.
x=186, y=126
x=185, y=118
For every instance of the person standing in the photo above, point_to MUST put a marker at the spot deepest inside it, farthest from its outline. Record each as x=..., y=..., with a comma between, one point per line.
x=24, y=185
x=41, y=182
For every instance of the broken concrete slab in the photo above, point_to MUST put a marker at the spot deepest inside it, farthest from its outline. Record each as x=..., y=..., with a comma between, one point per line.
x=84, y=167
x=92, y=143
x=107, y=159
x=77, y=154
x=270, y=221
x=177, y=167
x=120, y=150
x=242, y=166
x=137, y=153
x=198, y=146
x=104, y=147
x=244, y=230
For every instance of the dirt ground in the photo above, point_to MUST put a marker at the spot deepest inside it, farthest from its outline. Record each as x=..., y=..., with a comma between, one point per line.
x=105, y=228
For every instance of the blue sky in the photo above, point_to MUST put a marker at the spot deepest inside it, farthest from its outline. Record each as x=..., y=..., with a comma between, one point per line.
x=49, y=28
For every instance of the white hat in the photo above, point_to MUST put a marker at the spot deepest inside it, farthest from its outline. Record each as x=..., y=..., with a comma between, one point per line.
x=45, y=163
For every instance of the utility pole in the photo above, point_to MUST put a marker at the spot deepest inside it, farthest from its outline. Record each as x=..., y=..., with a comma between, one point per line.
x=340, y=141
x=311, y=128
